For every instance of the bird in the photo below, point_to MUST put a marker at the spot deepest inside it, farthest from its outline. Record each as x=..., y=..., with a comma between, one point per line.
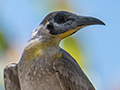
x=44, y=65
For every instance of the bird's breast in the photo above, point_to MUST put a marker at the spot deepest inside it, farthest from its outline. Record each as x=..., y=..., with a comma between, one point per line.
x=38, y=75
x=36, y=68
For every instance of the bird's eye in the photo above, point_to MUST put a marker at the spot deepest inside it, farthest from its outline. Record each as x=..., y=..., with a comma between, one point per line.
x=60, y=18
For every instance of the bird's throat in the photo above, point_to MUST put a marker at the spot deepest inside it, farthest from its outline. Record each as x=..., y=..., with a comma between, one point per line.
x=41, y=50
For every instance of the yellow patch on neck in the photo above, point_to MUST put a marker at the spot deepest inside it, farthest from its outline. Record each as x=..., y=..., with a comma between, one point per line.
x=38, y=49
x=32, y=51
x=59, y=55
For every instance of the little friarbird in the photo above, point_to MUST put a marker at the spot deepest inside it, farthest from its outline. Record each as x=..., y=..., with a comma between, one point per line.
x=43, y=64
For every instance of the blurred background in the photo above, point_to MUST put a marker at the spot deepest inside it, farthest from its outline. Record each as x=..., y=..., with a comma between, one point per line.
x=96, y=48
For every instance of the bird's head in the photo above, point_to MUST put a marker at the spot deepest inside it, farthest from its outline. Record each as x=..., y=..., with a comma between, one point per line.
x=61, y=24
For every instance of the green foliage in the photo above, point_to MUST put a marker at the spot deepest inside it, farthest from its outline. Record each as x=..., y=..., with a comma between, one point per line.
x=3, y=43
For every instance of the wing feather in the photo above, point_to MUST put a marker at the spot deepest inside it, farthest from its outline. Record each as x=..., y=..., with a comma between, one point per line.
x=70, y=75
x=11, y=80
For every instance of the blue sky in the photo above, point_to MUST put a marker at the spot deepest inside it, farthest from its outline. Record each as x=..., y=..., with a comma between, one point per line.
x=101, y=44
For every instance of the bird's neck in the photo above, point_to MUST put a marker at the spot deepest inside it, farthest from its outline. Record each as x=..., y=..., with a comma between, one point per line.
x=42, y=49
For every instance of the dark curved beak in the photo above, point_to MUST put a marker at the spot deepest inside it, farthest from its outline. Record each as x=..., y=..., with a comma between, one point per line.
x=85, y=21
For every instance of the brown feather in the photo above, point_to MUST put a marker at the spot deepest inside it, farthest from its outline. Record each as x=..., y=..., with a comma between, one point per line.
x=11, y=80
